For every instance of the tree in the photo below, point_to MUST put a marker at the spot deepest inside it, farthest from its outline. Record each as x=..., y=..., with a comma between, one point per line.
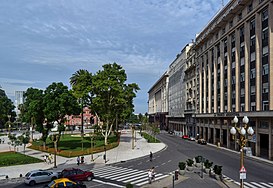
x=6, y=108
x=81, y=82
x=24, y=139
x=33, y=111
x=113, y=99
x=14, y=141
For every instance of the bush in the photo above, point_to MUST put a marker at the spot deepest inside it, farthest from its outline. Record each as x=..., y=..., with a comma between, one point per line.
x=182, y=165
x=129, y=185
x=189, y=162
x=208, y=164
x=217, y=169
x=198, y=159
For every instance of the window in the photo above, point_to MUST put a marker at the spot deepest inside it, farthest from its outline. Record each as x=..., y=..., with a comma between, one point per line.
x=231, y=24
x=264, y=15
x=252, y=73
x=242, y=61
x=242, y=76
x=250, y=7
x=233, y=80
x=265, y=51
x=252, y=56
x=242, y=92
x=253, y=106
x=252, y=24
x=265, y=69
x=264, y=124
x=265, y=87
x=240, y=16
x=252, y=90
x=242, y=107
x=265, y=105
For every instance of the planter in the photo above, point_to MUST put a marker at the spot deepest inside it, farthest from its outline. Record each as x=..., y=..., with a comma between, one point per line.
x=198, y=165
x=218, y=177
x=190, y=168
x=182, y=172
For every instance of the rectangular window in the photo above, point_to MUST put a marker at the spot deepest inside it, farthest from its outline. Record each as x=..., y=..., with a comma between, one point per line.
x=252, y=90
x=265, y=69
x=252, y=24
x=250, y=7
x=265, y=87
x=252, y=73
x=231, y=24
x=242, y=62
x=242, y=107
x=252, y=56
x=242, y=92
x=265, y=105
x=264, y=15
x=240, y=16
x=242, y=76
x=264, y=125
x=265, y=51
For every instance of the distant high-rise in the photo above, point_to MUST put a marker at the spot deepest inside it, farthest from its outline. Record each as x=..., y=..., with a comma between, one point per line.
x=19, y=99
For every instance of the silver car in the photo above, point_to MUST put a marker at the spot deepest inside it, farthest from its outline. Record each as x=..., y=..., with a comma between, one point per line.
x=40, y=176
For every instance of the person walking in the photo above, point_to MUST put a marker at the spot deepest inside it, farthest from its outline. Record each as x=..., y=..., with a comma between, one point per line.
x=150, y=176
x=153, y=173
x=45, y=158
x=151, y=156
x=78, y=160
x=50, y=158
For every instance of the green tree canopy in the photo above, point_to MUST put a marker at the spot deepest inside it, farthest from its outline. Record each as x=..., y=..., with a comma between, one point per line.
x=113, y=98
x=6, y=108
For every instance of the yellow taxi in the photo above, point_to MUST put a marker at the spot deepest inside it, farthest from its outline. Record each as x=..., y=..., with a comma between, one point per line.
x=65, y=182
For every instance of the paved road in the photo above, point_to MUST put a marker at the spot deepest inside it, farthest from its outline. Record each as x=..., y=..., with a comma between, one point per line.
x=180, y=150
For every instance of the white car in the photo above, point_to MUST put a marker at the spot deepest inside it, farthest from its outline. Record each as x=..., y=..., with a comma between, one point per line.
x=40, y=176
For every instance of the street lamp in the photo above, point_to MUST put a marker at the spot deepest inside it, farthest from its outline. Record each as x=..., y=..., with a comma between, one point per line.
x=9, y=116
x=243, y=131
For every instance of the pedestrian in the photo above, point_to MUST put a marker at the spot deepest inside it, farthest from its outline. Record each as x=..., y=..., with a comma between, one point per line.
x=45, y=158
x=150, y=176
x=153, y=173
x=151, y=156
x=78, y=160
x=50, y=158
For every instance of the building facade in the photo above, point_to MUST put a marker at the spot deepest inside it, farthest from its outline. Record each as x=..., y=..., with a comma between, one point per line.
x=234, y=64
x=19, y=99
x=177, y=93
x=158, y=101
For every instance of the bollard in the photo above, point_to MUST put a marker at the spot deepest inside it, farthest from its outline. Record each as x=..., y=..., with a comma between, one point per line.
x=21, y=175
x=7, y=177
x=176, y=175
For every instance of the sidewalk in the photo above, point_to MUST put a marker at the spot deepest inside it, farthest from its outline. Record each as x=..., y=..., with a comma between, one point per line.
x=121, y=153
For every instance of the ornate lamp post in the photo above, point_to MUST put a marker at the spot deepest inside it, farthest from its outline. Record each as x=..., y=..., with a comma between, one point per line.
x=243, y=131
x=9, y=116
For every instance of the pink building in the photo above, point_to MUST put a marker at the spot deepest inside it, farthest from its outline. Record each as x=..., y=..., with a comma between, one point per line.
x=88, y=119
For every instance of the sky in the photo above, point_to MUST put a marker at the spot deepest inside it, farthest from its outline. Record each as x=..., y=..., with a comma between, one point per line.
x=46, y=41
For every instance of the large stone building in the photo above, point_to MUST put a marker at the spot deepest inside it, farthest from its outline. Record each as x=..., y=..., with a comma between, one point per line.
x=158, y=101
x=234, y=63
x=177, y=93
x=19, y=99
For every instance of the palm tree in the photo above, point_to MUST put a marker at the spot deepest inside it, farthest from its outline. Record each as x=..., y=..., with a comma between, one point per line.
x=81, y=82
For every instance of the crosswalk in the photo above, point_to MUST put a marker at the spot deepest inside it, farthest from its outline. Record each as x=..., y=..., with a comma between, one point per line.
x=250, y=184
x=125, y=175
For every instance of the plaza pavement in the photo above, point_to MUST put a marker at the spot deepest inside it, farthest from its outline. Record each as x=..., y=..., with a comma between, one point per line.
x=121, y=153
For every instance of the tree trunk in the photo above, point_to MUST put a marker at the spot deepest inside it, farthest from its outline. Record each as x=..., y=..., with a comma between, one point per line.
x=44, y=143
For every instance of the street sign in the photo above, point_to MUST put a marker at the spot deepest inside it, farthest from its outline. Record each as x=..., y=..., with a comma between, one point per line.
x=243, y=170
x=242, y=173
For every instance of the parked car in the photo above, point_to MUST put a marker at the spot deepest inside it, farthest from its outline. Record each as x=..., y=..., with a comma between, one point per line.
x=185, y=137
x=170, y=132
x=191, y=138
x=40, y=176
x=65, y=182
x=202, y=141
x=76, y=174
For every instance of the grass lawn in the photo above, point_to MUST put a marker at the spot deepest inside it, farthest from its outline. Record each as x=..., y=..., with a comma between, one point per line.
x=71, y=145
x=13, y=158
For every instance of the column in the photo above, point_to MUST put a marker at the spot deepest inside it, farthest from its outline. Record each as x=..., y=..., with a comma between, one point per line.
x=221, y=133
x=247, y=66
x=222, y=77
x=209, y=81
x=228, y=133
x=209, y=133
x=200, y=86
x=258, y=61
x=214, y=135
x=237, y=70
x=229, y=101
x=258, y=151
x=205, y=83
x=270, y=27
x=215, y=81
